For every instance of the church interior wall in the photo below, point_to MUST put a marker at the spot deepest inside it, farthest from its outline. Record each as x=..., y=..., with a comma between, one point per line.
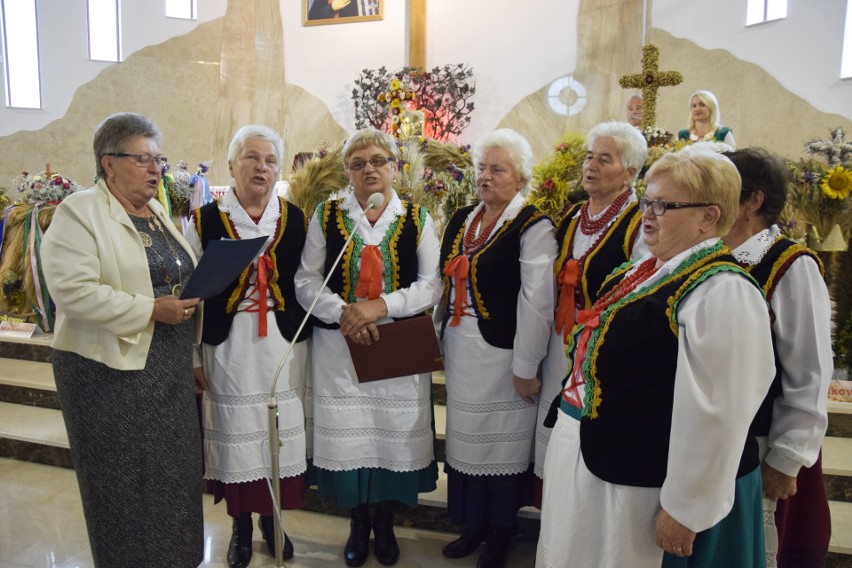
x=777, y=82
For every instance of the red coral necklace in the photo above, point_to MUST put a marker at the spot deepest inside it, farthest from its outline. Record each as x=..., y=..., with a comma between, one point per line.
x=472, y=243
x=591, y=226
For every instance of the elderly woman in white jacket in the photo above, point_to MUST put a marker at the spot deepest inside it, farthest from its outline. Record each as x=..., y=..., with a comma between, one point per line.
x=115, y=266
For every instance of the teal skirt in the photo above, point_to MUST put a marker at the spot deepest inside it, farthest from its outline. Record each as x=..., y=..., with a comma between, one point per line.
x=737, y=541
x=371, y=485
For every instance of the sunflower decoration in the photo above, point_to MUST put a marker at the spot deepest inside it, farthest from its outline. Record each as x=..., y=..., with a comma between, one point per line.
x=818, y=203
x=837, y=183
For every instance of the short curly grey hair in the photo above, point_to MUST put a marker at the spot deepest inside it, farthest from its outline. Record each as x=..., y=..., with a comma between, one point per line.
x=628, y=140
x=519, y=150
x=116, y=130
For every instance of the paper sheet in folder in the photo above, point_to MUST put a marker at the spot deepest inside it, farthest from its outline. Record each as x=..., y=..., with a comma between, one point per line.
x=405, y=347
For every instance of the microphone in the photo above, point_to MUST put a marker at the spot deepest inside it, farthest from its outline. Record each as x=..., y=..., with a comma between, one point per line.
x=375, y=201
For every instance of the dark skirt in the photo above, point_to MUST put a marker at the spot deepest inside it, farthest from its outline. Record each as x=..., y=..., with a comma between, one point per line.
x=804, y=521
x=371, y=485
x=136, y=449
x=255, y=497
x=477, y=501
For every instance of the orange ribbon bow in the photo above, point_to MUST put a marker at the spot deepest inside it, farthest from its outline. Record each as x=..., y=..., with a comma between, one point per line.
x=571, y=394
x=264, y=267
x=459, y=270
x=370, y=276
x=568, y=279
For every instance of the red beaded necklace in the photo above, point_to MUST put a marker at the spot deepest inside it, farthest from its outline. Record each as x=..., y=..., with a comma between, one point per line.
x=591, y=226
x=471, y=243
x=627, y=284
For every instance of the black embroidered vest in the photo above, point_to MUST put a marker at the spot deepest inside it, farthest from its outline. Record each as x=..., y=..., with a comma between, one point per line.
x=613, y=250
x=625, y=436
x=768, y=272
x=285, y=251
x=495, y=273
x=400, y=254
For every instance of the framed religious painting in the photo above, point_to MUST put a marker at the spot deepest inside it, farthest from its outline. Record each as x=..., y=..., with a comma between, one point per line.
x=321, y=12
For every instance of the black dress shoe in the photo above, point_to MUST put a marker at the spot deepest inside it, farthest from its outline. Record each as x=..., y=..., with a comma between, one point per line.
x=239, y=550
x=358, y=545
x=267, y=527
x=464, y=545
x=496, y=548
x=387, y=549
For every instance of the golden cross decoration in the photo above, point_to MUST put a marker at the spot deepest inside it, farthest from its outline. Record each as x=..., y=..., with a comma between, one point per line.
x=649, y=80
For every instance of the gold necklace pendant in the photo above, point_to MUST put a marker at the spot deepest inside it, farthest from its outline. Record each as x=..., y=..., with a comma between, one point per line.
x=177, y=290
x=146, y=240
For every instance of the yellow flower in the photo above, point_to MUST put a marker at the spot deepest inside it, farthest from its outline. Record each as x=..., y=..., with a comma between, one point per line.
x=395, y=103
x=396, y=85
x=837, y=183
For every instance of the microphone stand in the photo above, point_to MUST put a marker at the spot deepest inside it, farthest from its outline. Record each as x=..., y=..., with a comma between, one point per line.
x=375, y=200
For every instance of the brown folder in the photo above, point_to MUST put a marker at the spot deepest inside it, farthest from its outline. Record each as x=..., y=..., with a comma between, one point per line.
x=405, y=347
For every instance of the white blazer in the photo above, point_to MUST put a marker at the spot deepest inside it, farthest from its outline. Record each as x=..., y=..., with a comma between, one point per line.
x=97, y=274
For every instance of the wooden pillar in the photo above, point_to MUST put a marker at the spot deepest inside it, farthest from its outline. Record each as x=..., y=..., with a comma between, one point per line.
x=417, y=33
x=251, y=74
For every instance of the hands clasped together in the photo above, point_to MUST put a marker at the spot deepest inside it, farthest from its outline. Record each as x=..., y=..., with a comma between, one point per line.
x=358, y=320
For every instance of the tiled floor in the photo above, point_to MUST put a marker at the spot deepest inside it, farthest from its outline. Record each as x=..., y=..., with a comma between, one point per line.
x=42, y=526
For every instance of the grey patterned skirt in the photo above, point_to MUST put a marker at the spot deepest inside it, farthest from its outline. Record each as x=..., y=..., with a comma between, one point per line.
x=136, y=448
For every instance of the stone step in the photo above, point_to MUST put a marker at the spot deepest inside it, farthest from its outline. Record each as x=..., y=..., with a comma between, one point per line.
x=837, y=456
x=33, y=434
x=841, y=528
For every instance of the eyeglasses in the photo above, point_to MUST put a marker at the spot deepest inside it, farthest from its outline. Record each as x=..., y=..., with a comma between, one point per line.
x=143, y=160
x=659, y=207
x=376, y=162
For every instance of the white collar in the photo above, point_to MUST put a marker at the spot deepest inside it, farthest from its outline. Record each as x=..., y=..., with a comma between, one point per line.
x=756, y=246
x=245, y=227
x=394, y=209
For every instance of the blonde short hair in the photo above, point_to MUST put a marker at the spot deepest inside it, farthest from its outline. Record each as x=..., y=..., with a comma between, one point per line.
x=704, y=176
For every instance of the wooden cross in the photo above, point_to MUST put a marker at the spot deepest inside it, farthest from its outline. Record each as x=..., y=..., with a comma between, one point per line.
x=649, y=80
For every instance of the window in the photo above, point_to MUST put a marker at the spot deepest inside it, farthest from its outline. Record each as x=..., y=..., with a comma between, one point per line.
x=759, y=11
x=846, y=56
x=20, y=53
x=104, y=30
x=186, y=9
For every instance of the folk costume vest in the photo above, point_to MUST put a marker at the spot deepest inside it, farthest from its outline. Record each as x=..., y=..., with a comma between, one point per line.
x=625, y=442
x=285, y=252
x=612, y=248
x=767, y=273
x=718, y=135
x=398, y=249
x=495, y=298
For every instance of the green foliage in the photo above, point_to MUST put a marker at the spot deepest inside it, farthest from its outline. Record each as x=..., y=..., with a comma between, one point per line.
x=556, y=182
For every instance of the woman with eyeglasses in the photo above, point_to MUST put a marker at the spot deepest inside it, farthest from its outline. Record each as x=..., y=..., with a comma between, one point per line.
x=373, y=441
x=792, y=420
x=122, y=355
x=495, y=318
x=594, y=237
x=247, y=328
x=675, y=357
